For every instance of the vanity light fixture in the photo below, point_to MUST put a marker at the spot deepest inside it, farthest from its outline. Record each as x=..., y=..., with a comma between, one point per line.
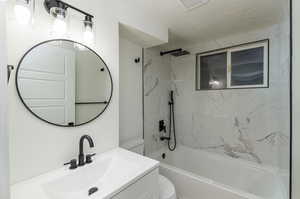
x=58, y=9
x=88, y=34
x=22, y=11
x=59, y=27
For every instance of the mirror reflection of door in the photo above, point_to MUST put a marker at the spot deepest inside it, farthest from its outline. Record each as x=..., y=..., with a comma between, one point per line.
x=47, y=82
x=64, y=83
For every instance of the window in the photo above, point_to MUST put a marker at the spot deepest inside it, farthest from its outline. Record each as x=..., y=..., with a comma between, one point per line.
x=243, y=66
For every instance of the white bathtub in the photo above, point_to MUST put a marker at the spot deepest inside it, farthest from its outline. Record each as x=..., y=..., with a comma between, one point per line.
x=203, y=175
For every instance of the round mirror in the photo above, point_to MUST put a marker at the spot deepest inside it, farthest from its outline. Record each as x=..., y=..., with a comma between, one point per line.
x=64, y=83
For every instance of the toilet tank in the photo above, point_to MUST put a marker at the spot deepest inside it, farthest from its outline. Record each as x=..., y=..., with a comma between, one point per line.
x=136, y=146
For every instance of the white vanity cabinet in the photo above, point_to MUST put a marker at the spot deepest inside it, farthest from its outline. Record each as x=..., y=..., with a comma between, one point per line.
x=144, y=188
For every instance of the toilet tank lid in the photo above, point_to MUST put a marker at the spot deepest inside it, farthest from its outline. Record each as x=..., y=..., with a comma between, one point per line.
x=132, y=143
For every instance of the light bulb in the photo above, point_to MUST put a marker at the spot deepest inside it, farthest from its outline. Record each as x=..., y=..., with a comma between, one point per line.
x=22, y=13
x=88, y=35
x=59, y=27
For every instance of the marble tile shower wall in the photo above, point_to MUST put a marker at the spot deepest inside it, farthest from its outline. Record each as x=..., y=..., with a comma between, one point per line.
x=250, y=124
x=157, y=79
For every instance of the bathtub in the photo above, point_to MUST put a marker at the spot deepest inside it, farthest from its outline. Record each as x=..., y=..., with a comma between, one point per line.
x=198, y=174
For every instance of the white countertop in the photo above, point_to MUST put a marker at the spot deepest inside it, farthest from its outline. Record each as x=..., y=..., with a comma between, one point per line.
x=114, y=170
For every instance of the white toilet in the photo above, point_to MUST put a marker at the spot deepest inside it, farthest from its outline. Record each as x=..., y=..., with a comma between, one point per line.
x=166, y=187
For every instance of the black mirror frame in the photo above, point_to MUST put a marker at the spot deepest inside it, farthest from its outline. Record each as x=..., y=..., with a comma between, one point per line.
x=67, y=40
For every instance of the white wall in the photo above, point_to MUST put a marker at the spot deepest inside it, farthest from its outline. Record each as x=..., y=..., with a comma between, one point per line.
x=4, y=170
x=37, y=147
x=141, y=17
x=131, y=107
x=296, y=99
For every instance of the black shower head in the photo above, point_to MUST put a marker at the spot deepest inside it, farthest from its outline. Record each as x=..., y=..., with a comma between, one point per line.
x=175, y=53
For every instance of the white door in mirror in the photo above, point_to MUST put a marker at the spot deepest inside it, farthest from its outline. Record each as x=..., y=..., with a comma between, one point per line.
x=47, y=81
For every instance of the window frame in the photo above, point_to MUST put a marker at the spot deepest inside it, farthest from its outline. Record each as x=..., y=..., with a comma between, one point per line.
x=229, y=50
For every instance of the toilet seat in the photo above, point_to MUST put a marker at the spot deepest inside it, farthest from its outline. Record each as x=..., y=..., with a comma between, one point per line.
x=166, y=188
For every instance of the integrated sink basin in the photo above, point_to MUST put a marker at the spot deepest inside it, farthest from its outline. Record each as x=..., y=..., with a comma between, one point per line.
x=107, y=175
x=78, y=182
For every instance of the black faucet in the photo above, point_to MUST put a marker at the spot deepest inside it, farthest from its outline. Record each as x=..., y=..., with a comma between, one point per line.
x=81, y=154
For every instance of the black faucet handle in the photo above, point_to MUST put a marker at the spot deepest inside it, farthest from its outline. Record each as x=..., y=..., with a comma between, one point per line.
x=72, y=163
x=162, y=126
x=89, y=158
